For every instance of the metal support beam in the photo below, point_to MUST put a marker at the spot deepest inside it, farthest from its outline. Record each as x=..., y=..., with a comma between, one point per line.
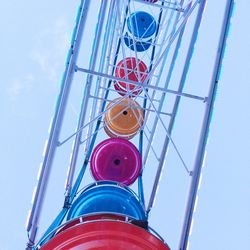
x=176, y=104
x=50, y=149
x=164, y=90
x=92, y=64
x=205, y=128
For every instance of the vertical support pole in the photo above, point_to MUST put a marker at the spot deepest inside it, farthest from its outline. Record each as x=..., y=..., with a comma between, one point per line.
x=92, y=64
x=58, y=220
x=177, y=100
x=109, y=30
x=140, y=179
x=98, y=123
x=172, y=64
x=50, y=150
x=205, y=128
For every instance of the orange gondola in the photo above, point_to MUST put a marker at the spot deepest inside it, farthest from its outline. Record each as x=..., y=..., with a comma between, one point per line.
x=124, y=119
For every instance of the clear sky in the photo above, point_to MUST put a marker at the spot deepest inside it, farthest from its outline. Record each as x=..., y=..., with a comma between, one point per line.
x=34, y=42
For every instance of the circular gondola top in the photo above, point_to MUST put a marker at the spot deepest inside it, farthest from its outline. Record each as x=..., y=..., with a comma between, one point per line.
x=105, y=235
x=117, y=160
x=107, y=197
x=124, y=119
x=141, y=24
x=132, y=69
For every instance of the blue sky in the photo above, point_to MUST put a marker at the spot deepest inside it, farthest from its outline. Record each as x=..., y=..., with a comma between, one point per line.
x=34, y=43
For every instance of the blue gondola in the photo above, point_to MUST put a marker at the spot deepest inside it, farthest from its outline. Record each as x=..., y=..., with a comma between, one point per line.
x=141, y=24
x=139, y=44
x=107, y=197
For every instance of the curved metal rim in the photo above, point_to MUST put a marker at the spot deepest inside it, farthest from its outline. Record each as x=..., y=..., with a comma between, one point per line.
x=117, y=223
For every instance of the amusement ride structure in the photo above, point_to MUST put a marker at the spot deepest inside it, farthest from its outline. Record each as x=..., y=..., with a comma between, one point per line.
x=125, y=75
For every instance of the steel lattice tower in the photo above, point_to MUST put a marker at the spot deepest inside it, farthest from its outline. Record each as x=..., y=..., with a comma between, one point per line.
x=127, y=73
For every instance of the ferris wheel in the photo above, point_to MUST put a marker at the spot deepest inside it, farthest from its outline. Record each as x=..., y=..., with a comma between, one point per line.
x=127, y=108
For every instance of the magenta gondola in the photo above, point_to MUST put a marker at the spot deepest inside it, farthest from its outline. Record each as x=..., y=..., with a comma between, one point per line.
x=117, y=160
